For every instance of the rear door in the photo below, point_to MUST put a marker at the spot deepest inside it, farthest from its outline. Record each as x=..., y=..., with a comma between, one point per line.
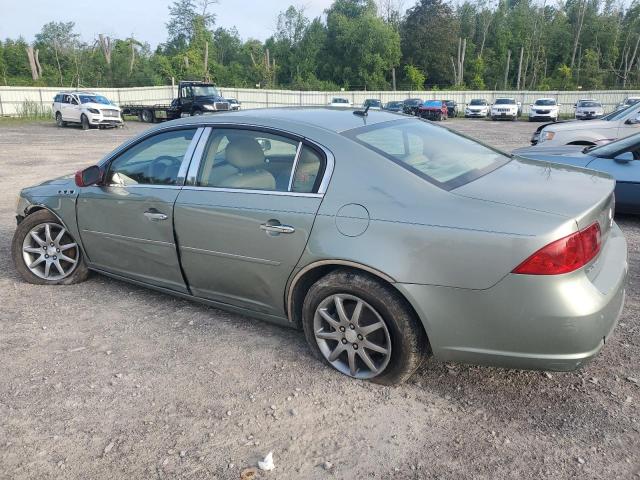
x=126, y=224
x=243, y=221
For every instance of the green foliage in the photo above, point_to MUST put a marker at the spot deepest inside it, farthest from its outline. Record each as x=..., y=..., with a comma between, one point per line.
x=588, y=43
x=415, y=78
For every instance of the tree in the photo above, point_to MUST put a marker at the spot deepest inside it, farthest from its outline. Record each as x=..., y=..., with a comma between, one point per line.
x=57, y=42
x=429, y=39
x=415, y=77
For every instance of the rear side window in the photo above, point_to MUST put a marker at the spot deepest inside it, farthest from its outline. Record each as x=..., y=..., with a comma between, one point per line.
x=436, y=154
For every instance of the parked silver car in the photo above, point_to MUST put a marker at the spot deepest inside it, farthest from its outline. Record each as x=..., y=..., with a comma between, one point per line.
x=385, y=238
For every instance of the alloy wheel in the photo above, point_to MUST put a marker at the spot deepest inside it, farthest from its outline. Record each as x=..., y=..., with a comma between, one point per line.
x=49, y=252
x=352, y=336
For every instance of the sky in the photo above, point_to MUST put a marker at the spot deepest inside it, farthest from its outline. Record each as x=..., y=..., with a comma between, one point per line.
x=145, y=19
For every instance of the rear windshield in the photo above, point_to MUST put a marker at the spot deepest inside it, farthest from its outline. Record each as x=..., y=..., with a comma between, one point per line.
x=436, y=154
x=432, y=103
x=588, y=104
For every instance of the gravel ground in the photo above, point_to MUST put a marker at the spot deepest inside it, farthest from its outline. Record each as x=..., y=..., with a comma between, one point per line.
x=106, y=380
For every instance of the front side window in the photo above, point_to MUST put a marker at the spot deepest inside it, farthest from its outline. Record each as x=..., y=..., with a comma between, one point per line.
x=255, y=160
x=154, y=161
x=436, y=154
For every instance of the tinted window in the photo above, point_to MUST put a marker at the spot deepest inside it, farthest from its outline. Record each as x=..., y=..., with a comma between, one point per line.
x=154, y=161
x=478, y=102
x=439, y=155
x=58, y=98
x=505, y=101
x=589, y=104
x=545, y=102
x=247, y=159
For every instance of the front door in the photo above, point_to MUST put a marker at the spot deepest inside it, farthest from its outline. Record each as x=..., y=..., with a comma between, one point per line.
x=244, y=221
x=126, y=223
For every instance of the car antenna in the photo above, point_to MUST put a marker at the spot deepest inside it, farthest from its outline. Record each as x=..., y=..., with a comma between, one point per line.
x=362, y=113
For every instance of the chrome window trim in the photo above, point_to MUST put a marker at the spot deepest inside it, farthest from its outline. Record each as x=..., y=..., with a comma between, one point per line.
x=197, y=159
x=257, y=192
x=142, y=185
x=294, y=166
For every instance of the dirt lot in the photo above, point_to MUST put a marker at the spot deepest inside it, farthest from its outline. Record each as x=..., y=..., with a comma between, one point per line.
x=105, y=380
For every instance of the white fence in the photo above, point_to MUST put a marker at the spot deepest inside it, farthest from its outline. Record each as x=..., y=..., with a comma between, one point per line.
x=12, y=99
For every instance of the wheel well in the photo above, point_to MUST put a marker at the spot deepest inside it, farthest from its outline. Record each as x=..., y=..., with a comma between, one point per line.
x=581, y=142
x=308, y=278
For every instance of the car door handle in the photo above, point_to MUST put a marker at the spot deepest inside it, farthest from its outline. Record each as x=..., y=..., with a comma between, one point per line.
x=273, y=226
x=155, y=215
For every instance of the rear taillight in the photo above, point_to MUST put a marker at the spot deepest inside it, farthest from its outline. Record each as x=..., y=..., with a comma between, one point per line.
x=564, y=255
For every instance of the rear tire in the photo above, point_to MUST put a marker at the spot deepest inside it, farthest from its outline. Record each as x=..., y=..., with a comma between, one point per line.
x=24, y=246
x=396, y=348
x=147, y=116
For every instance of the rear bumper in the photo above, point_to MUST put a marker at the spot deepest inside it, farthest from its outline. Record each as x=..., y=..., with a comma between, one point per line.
x=524, y=321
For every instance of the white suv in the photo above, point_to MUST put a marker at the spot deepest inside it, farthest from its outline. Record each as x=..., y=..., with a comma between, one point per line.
x=86, y=108
x=544, y=109
x=505, y=108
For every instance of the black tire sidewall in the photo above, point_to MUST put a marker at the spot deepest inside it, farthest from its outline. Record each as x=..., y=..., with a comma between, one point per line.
x=409, y=344
x=84, y=121
x=81, y=271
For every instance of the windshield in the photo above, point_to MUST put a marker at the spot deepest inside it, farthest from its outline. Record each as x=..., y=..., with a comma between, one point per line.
x=589, y=104
x=449, y=103
x=620, y=113
x=436, y=154
x=413, y=101
x=632, y=101
x=432, y=103
x=372, y=103
x=394, y=104
x=94, y=99
x=505, y=101
x=205, y=91
x=478, y=101
x=545, y=102
x=339, y=100
x=630, y=143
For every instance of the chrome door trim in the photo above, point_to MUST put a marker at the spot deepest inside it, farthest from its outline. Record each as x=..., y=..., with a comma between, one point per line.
x=294, y=166
x=194, y=166
x=132, y=239
x=230, y=255
x=256, y=192
x=188, y=155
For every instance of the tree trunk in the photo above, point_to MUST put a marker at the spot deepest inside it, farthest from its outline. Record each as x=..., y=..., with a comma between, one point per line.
x=579, y=32
x=105, y=44
x=506, y=69
x=32, y=63
x=520, y=68
x=133, y=56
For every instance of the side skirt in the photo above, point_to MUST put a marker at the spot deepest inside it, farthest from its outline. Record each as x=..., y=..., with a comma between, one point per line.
x=211, y=303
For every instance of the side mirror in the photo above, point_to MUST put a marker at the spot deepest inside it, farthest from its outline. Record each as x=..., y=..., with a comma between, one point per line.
x=88, y=176
x=625, y=157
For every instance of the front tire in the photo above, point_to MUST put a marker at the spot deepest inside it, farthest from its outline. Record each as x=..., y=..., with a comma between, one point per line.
x=363, y=328
x=84, y=121
x=45, y=253
x=59, y=122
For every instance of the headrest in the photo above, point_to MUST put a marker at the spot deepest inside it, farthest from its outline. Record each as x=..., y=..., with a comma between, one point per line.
x=244, y=153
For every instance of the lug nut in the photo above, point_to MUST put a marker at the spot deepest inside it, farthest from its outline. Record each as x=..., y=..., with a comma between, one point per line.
x=342, y=329
x=344, y=340
x=355, y=346
x=352, y=326
x=46, y=256
x=360, y=337
x=55, y=258
x=57, y=249
x=51, y=244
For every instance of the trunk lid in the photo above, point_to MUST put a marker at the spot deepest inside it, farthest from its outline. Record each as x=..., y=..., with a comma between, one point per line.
x=580, y=194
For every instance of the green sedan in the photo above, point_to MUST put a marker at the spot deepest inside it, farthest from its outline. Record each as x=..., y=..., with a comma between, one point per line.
x=386, y=239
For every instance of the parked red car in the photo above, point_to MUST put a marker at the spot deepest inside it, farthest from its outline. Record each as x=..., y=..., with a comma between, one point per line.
x=434, y=110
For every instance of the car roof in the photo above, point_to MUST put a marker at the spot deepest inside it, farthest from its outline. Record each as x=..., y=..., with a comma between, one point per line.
x=287, y=118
